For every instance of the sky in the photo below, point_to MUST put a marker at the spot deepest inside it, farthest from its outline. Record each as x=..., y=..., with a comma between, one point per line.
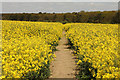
x=59, y=0
x=58, y=6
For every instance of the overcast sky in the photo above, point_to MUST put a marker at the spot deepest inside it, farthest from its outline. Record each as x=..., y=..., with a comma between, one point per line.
x=59, y=0
x=35, y=6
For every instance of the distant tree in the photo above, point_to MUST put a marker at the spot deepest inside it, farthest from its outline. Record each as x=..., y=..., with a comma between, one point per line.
x=98, y=18
x=116, y=18
x=54, y=17
x=64, y=17
x=78, y=18
x=46, y=18
x=40, y=12
x=81, y=17
x=82, y=11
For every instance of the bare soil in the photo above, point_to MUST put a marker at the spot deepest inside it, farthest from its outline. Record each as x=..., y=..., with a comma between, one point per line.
x=64, y=64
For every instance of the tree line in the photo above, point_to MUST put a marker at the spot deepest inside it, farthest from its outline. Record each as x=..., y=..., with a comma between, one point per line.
x=111, y=17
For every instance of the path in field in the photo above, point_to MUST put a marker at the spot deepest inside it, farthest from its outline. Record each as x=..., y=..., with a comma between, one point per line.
x=64, y=65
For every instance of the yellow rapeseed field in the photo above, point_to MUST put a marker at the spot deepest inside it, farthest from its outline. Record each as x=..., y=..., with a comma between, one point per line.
x=27, y=47
x=96, y=44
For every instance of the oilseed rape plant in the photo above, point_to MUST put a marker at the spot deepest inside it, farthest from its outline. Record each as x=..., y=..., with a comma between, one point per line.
x=27, y=48
x=96, y=46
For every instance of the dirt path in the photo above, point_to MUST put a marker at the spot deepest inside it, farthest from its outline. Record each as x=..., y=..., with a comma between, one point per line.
x=63, y=66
